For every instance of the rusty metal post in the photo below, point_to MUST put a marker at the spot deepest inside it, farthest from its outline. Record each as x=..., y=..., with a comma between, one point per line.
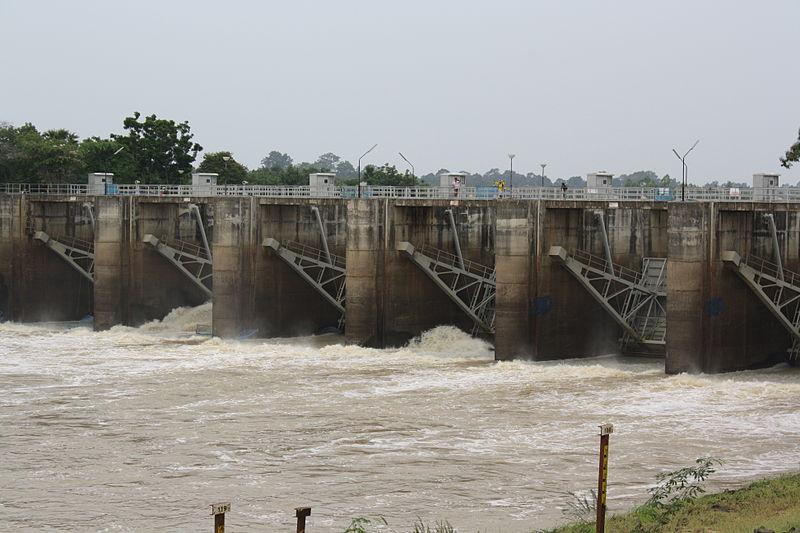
x=602, y=478
x=218, y=510
x=302, y=513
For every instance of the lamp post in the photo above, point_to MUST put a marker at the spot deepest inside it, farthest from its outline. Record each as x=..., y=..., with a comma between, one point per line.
x=511, y=180
x=360, y=158
x=542, y=165
x=409, y=163
x=685, y=174
x=108, y=159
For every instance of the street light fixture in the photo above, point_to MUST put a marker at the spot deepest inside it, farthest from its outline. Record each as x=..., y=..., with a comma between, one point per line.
x=511, y=180
x=542, y=165
x=409, y=163
x=360, y=158
x=685, y=175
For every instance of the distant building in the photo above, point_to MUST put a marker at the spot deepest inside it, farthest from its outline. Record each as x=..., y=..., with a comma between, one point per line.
x=599, y=180
x=765, y=181
x=322, y=184
x=448, y=179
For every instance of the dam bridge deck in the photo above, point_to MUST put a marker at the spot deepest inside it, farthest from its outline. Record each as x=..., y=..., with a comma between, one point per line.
x=641, y=194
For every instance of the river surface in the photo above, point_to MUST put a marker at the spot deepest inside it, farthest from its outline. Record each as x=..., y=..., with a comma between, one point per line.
x=140, y=429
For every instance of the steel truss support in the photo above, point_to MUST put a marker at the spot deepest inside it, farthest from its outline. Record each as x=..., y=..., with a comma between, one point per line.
x=635, y=300
x=194, y=209
x=192, y=260
x=77, y=253
x=320, y=269
x=470, y=285
x=456, y=242
x=778, y=289
x=89, y=208
x=606, y=246
x=322, y=233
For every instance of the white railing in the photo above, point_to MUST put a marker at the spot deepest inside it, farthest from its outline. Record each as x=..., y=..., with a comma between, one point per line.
x=646, y=194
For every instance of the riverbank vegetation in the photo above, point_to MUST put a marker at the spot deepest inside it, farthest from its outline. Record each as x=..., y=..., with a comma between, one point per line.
x=770, y=504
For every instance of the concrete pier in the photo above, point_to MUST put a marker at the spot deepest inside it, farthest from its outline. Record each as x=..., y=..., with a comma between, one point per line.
x=516, y=245
x=109, y=268
x=366, y=243
x=714, y=321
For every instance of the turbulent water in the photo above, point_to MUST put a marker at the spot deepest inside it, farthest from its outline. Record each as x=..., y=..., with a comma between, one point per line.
x=140, y=429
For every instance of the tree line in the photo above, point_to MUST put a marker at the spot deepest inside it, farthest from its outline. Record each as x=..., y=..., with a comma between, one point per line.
x=161, y=151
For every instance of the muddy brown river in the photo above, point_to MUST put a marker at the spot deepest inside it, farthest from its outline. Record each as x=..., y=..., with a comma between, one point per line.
x=139, y=429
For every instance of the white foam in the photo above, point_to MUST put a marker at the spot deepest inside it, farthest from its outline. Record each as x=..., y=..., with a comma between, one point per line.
x=181, y=319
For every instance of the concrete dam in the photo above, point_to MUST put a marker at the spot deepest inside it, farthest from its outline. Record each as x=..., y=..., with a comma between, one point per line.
x=709, y=284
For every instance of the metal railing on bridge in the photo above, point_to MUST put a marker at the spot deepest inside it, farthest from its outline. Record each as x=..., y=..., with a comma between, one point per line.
x=643, y=194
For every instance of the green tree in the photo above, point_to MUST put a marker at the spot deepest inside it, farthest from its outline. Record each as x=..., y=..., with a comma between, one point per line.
x=792, y=154
x=345, y=170
x=291, y=175
x=230, y=171
x=58, y=158
x=162, y=149
x=327, y=162
x=387, y=175
x=276, y=160
x=641, y=178
x=107, y=155
x=15, y=163
x=27, y=155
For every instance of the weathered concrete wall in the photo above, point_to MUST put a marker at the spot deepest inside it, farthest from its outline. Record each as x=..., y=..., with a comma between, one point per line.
x=565, y=320
x=108, y=262
x=366, y=242
x=516, y=245
x=690, y=229
x=715, y=323
x=11, y=226
x=389, y=299
x=412, y=302
x=167, y=219
x=232, y=273
x=284, y=304
x=44, y=286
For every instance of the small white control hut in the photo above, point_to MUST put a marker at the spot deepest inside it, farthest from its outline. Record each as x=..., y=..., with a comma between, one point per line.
x=599, y=180
x=764, y=186
x=98, y=182
x=322, y=184
x=203, y=183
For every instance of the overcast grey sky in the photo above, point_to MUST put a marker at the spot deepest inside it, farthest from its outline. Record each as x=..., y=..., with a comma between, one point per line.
x=580, y=85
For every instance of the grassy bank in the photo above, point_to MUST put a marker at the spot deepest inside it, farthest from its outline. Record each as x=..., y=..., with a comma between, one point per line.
x=771, y=503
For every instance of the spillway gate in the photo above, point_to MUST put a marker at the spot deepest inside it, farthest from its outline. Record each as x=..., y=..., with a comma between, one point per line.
x=470, y=285
x=322, y=270
x=193, y=261
x=635, y=300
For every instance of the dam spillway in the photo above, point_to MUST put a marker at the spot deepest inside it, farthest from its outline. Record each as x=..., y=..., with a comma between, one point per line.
x=712, y=320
